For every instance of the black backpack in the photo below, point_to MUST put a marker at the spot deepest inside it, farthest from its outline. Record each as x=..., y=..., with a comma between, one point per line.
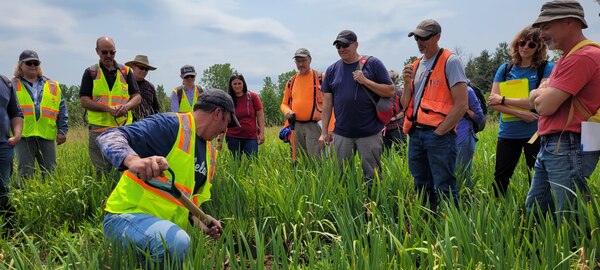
x=483, y=104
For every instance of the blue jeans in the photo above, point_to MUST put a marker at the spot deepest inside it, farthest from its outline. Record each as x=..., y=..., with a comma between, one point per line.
x=464, y=159
x=559, y=171
x=431, y=160
x=247, y=146
x=6, y=165
x=147, y=233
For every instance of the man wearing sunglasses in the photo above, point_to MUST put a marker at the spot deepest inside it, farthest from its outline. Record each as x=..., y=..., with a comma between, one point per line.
x=350, y=91
x=150, y=218
x=564, y=101
x=150, y=104
x=435, y=97
x=185, y=96
x=46, y=116
x=108, y=92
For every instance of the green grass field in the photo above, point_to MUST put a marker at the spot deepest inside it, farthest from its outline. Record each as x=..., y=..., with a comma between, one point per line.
x=309, y=216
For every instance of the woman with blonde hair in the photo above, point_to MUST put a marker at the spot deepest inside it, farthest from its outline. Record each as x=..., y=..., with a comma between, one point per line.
x=528, y=60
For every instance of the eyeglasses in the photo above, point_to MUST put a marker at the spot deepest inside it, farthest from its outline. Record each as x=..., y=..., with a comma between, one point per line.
x=342, y=45
x=143, y=68
x=530, y=44
x=303, y=59
x=106, y=52
x=189, y=76
x=417, y=38
x=34, y=63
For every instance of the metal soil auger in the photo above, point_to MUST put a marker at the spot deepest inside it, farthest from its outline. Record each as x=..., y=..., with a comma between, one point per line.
x=169, y=186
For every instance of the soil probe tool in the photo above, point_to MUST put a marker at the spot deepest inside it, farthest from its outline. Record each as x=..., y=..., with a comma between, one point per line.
x=292, y=122
x=169, y=186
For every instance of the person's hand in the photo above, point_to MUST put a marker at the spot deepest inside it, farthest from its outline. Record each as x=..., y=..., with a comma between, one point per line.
x=528, y=116
x=112, y=111
x=407, y=76
x=219, y=145
x=215, y=229
x=494, y=99
x=325, y=138
x=146, y=168
x=121, y=110
x=60, y=138
x=12, y=141
x=359, y=76
x=289, y=114
x=261, y=138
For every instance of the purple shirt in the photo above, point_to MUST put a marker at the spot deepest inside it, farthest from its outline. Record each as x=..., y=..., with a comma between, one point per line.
x=465, y=125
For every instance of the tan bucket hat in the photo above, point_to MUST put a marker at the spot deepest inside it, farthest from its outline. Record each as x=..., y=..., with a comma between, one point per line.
x=141, y=60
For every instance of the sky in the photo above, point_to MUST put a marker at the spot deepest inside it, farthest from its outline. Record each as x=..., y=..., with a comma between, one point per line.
x=258, y=38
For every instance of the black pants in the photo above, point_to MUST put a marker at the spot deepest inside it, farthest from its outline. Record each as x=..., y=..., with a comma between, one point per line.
x=508, y=152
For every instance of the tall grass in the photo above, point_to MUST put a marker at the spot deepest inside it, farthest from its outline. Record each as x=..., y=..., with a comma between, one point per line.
x=309, y=215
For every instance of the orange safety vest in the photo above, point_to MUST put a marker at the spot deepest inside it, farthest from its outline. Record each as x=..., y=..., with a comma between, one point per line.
x=436, y=101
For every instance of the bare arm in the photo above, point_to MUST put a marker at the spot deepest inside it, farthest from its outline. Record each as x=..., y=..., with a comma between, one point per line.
x=285, y=105
x=381, y=89
x=16, y=124
x=495, y=100
x=260, y=117
x=407, y=76
x=547, y=99
x=326, y=117
x=461, y=104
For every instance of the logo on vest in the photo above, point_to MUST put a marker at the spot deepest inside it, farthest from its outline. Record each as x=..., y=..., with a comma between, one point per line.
x=123, y=88
x=200, y=168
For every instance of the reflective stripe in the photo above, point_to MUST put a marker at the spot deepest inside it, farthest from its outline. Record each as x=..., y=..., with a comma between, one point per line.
x=185, y=133
x=52, y=87
x=27, y=109
x=49, y=113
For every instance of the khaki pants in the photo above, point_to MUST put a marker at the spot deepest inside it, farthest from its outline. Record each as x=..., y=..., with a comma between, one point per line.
x=307, y=138
x=101, y=164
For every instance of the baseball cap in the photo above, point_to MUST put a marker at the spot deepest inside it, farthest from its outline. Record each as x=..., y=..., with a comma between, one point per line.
x=187, y=70
x=555, y=10
x=426, y=28
x=302, y=52
x=28, y=55
x=222, y=99
x=346, y=36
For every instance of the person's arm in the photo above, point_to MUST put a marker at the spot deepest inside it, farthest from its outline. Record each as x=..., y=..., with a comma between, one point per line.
x=407, y=76
x=62, y=122
x=174, y=102
x=260, y=117
x=285, y=105
x=15, y=114
x=548, y=99
x=460, y=97
x=326, y=117
x=155, y=101
x=495, y=100
x=475, y=112
x=380, y=89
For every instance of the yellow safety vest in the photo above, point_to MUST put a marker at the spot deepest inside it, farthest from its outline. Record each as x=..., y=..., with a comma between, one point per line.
x=45, y=126
x=133, y=195
x=118, y=95
x=184, y=103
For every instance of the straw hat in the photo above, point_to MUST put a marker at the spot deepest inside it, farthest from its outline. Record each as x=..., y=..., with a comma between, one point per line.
x=140, y=60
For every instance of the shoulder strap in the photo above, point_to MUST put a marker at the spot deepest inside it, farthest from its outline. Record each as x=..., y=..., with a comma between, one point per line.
x=362, y=61
x=94, y=71
x=509, y=66
x=540, y=72
x=6, y=81
x=179, y=92
x=582, y=44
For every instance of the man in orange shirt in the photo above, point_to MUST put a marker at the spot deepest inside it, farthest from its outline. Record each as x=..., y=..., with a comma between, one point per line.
x=302, y=101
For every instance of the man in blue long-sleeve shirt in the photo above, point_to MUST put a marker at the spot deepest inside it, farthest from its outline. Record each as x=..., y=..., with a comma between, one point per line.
x=466, y=138
x=45, y=112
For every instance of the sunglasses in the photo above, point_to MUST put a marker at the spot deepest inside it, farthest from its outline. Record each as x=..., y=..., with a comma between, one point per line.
x=34, y=63
x=143, y=68
x=417, y=38
x=530, y=44
x=106, y=52
x=342, y=45
x=189, y=76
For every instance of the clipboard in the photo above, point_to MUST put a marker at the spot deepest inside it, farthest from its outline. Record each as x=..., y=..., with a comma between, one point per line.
x=514, y=89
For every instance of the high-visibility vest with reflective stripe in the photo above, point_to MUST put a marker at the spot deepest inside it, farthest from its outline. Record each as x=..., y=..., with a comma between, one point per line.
x=45, y=126
x=133, y=195
x=184, y=103
x=118, y=95
x=436, y=101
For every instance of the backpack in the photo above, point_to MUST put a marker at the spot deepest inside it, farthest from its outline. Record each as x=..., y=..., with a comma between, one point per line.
x=540, y=71
x=6, y=81
x=385, y=105
x=477, y=127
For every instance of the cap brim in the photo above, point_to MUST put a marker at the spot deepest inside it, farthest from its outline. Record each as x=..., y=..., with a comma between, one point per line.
x=545, y=19
x=31, y=58
x=189, y=73
x=420, y=32
x=343, y=40
x=300, y=55
x=234, y=121
x=131, y=63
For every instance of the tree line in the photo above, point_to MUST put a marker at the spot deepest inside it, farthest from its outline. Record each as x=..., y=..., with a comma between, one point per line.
x=480, y=70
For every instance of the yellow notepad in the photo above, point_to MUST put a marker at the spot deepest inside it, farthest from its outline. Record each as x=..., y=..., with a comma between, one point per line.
x=514, y=89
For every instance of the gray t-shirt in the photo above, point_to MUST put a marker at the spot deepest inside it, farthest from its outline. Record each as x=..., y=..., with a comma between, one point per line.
x=455, y=73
